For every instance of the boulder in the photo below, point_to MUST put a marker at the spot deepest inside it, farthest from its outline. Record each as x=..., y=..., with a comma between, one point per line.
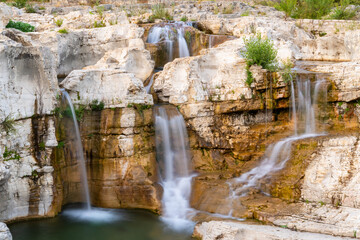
x=5, y=232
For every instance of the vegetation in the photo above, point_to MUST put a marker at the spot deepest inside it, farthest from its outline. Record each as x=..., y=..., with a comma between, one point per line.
x=63, y=31
x=59, y=22
x=287, y=74
x=99, y=24
x=24, y=27
x=228, y=9
x=30, y=9
x=341, y=12
x=95, y=105
x=10, y=155
x=259, y=52
x=159, y=12
x=20, y=3
x=184, y=19
x=61, y=144
x=288, y=6
x=100, y=11
x=8, y=125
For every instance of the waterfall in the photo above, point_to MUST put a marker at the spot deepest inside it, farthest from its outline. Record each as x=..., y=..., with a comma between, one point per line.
x=169, y=34
x=210, y=41
x=276, y=155
x=172, y=150
x=79, y=150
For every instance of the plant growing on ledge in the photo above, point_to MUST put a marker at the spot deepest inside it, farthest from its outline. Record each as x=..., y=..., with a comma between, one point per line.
x=24, y=27
x=99, y=24
x=95, y=105
x=8, y=125
x=63, y=31
x=259, y=52
x=10, y=155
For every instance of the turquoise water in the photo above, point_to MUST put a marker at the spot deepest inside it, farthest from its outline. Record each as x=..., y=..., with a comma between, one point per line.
x=102, y=224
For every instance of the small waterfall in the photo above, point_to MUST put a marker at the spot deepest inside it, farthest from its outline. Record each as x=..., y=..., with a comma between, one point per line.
x=79, y=150
x=210, y=41
x=169, y=34
x=172, y=150
x=276, y=155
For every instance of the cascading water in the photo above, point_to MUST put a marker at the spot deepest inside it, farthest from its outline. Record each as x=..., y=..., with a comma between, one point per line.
x=170, y=34
x=276, y=155
x=173, y=157
x=79, y=150
x=89, y=213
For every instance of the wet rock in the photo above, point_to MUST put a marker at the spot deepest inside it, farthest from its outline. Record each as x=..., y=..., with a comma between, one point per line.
x=5, y=232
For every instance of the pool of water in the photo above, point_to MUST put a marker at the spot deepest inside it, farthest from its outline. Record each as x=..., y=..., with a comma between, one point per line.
x=97, y=224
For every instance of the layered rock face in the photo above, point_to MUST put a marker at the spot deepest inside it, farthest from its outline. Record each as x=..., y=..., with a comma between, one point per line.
x=27, y=132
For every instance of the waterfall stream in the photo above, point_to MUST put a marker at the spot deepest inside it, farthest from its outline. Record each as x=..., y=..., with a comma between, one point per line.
x=79, y=153
x=303, y=102
x=172, y=150
x=170, y=34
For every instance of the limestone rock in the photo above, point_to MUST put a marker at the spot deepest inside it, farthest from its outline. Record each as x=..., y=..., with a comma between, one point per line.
x=113, y=87
x=4, y=232
x=132, y=60
x=236, y=231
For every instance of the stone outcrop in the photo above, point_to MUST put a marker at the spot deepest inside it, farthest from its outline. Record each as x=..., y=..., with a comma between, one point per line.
x=27, y=133
x=236, y=231
x=5, y=232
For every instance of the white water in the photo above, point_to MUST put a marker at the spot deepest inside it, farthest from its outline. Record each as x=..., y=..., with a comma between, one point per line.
x=276, y=155
x=210, y=41
x=173, y=152
x=95, y=215
x=79, y=150
x=170, y=33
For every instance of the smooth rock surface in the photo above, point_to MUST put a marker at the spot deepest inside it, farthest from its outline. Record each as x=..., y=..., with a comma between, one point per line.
x=4, y=232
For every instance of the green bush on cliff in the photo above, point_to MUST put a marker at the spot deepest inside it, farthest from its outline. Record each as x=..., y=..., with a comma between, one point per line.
x=259, y=52
x=159, y=12
x=24, y=27
x=20, y=3
x=8, y=125
x=287, y=6
x=95, y=105
x=342, y=13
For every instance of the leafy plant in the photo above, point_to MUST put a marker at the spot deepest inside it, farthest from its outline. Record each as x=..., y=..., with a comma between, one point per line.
x=10, y=155
x=42, y=146
x=60, y=144
x=8, y=125
x=24, y=27
x=159, y=12
x=260, y=52
x=313, y=9
x=95, y=105
x=100, y=11
x=59, y=22
x=341, y=13
x=30, y=9
x=184, y=19
x=99, y=24
x=63, y=31
x=20, y=3
x=288, y=6
x=287, y=74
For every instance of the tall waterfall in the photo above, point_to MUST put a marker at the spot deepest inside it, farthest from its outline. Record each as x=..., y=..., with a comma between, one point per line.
x=79, y=150
x=172, y=150
x=303, y=102
x=170, y=34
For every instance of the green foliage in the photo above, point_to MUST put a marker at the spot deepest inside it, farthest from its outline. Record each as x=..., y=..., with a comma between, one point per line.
x=30, y=9
x=8, y=125
x=139, y=107
x=20, y=3
x=100, y=11
x=288, y=6
x=341, y=13
x=79, y=112
x=42, y=146
x=95, y=105
x=61, y=144
x=260, y=52
x=99, y=24
x=188, y=36
x=59, y=22
x=245, y=14
x=63, y=31
x=10, y=155
x=24, y=27
x=184, y=19
x=249, y=77
x=159, y=12
x=313, y=9
x=287, y=74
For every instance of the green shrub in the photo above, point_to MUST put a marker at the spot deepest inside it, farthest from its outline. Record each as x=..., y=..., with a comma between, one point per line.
x=184, y=19
x=24, y=27
x=63, y=31
x=313, y=9
x=287, y=75
x=100, y=11
x=159, y=12
x=59, y=22
x=60, y=144
x=95, y=105
x=341, y=13
x=20, y=3
x=10, y=155
x=8, y=125
x=260, y=52
x=288, y=6
x=30, y=9
x=99, y=24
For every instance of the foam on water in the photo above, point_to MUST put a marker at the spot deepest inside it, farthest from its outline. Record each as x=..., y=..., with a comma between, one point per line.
x=95, y=215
